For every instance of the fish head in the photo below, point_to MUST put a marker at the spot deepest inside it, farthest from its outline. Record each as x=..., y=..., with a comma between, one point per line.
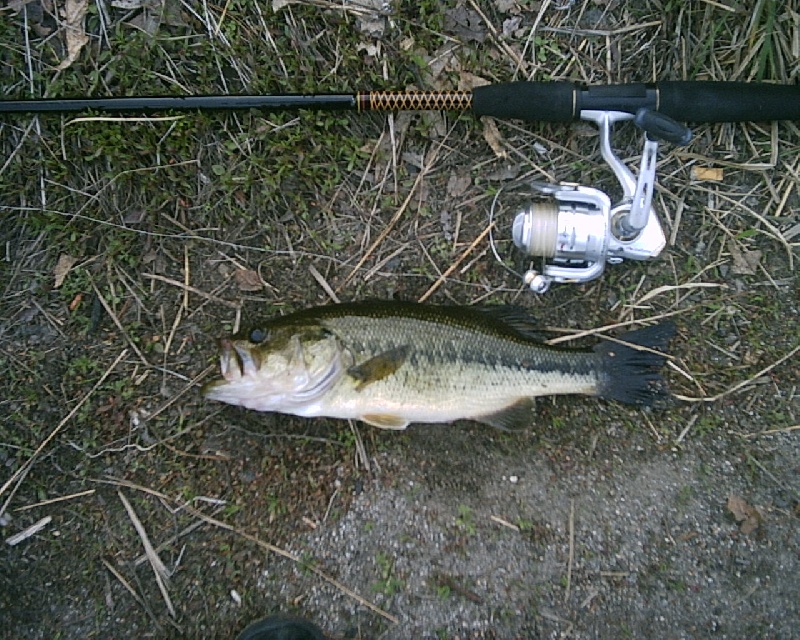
x=279, y=369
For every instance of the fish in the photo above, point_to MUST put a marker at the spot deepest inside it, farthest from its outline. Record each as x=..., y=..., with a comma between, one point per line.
x=392, y=363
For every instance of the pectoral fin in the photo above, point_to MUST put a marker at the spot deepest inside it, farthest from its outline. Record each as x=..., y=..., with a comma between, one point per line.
x=378, y=367
x=385, y=421
x=516, y=416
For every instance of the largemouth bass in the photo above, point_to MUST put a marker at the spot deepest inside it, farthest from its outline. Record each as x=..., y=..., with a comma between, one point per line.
x=394, y=363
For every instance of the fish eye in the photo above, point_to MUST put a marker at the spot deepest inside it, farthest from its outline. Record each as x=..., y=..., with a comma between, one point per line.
x=258, y=335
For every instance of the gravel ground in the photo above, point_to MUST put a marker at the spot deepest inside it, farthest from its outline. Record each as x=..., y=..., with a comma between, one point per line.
x=472, y=539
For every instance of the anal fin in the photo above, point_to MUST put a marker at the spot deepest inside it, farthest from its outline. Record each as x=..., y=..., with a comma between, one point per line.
x=385, y=421
x=518, y=415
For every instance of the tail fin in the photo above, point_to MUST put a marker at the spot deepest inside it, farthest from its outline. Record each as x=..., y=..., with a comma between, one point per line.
x=631, y=375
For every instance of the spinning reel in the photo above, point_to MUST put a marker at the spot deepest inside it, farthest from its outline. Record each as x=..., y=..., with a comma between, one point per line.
x=578, y=230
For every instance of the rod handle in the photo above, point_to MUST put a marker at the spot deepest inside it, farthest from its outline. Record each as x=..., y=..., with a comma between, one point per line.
x=692, y=101
x=702, y=101
x=529, y=101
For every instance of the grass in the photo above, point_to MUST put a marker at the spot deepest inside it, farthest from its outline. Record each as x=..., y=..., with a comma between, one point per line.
x=159, y=214
x=465, y=520
x=388, y=583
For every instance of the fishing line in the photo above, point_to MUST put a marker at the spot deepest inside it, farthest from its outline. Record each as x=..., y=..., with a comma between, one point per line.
x=492, y=244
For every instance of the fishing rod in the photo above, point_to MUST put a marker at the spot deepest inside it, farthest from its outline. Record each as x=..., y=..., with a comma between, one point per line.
x=575, y=229
x=529, y=101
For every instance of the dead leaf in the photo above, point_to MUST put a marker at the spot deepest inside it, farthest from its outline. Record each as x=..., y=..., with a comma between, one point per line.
x=435, y=123
x=738, y=507
x=75, y=36
x=135, y=216
x=458, y=184
x=248, y=280
x=493, y=137
x=465, y=23
x=443, y=58
x=468, y=81
x=371, y=49
x=18, y=5
x=745, y=514
x=423, y=193
x=371, y=25
x=505, y=173
x=130, y=5
x=172, y=14
x=63, y=267
x=40, y=22
x=745, y=263
x=447, y=224
x=710, y=174
x=370, y=18
x=146, y=21
x=510, y=26
x=791, y=233
x=506, y=6
x=414, y=158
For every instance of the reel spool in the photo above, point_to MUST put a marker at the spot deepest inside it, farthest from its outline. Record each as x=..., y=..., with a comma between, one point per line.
x=578, y=231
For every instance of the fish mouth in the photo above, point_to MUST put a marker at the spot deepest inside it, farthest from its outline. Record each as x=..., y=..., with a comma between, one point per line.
x=237, y=364
x=237, y=361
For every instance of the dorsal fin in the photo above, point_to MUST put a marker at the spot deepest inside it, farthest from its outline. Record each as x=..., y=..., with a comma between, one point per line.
x=517, y=318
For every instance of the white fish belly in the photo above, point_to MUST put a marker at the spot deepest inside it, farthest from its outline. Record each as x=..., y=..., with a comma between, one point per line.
x=440, y=396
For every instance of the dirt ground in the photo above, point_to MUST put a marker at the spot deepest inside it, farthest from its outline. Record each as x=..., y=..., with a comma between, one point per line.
x=131, y=507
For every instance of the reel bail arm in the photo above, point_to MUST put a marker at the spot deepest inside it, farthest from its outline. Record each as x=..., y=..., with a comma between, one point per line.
x=579, y=231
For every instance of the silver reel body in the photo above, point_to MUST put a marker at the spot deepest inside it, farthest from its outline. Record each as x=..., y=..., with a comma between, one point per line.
x=578, y=230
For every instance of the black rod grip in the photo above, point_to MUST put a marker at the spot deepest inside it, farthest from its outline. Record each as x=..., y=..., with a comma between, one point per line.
x=529, y=101
x=729, y=101
x=693, y=101
x=558, y=101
